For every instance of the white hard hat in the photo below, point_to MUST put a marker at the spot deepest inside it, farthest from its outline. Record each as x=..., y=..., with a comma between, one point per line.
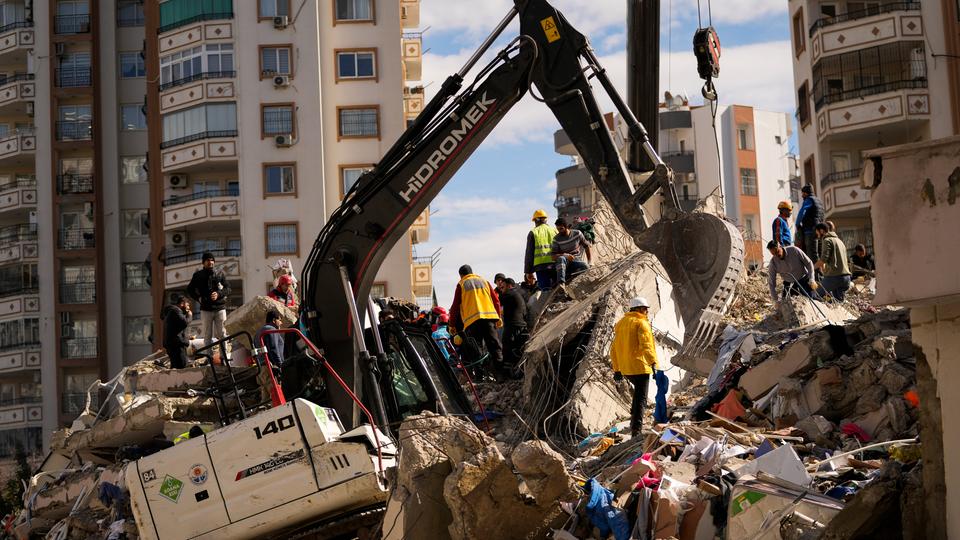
x=639, y=302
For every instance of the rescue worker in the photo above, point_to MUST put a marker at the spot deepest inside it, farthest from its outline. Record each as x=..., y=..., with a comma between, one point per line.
x=833, y=262
x=863, y=263
x=515, y=333
x=209, y=287
x=794, y=268
x=272, y=342
x=283, y=292
x=810, y=213
x=537, y=258
x=781, y=227
x=475, y=313
x=571, y=251
x=633, y=355
x=176, y=318
x=441, y=334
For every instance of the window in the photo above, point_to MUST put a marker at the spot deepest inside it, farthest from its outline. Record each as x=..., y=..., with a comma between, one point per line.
x=132, y=171
x=135, y=224
x=132, y=118
x=279, y=179
x=356, y=65
x=349, y=174
x=803, y=105
x=863, y=8
x=209, y=120
x=220, y=58
x=130, y=13
x=748, y=181
x=828, y=11
x=274, y=8
x=379, y=290
x=809, y=171
x=135, y=277
x=73, y=70
x=282, y=239
x=12, y=13
x=278, y=120
x=778, y=140
x=359, y=122
x=743, y=138
x=181, y=65
x=750, y=227
x=353, y=10
x=799, y=33
x=137, y=330
x=275, y=61
x=131, y=65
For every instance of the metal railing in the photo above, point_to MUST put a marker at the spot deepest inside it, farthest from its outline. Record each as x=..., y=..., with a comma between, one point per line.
x=76, y=238
x=22, y=232
x=74, y=183
x=22, y=400
x=74, y=130
x=17, y=288
x=198, y=137
x=198, y=77
x=16, y=25
x=174, y=257
x=8, y=345
x=563, y=202
x=199, y=17
x=278, y=122
x=19, y=183
x=73, y=77
x=16, y=77
x=84, y=292
x=889, y=7
x=863, y=91
x=199, y=195
x=839, y=176
x=677, y=153
x=124, y=20
x=71, y=24
x=82, y=347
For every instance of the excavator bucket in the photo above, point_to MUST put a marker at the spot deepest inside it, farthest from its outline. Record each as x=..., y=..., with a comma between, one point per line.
x=704, y=256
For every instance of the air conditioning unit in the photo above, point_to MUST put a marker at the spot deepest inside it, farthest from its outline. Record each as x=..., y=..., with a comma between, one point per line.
x=281, y=80
x=179, y=239
x=281, y=22
x=30, y=108
x=59, y=49
x=177, y=181
x=284, y=141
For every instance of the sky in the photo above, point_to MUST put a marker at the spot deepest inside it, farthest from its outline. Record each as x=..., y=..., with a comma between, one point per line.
x=482, y=216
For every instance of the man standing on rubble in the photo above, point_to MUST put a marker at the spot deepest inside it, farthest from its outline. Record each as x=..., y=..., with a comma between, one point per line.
x=794, y=268
x=209, y=287
x=476, y=314
x=537, y=258
x=176, y=318
x=515, y=333
x=833, y=262
x=781, y=227
x=810, y=213
x=571, y=251
x=634, y=354
x=283, y=292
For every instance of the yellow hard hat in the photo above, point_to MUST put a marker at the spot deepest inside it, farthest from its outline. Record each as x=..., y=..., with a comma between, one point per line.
x=784, y=204
x=539, y=214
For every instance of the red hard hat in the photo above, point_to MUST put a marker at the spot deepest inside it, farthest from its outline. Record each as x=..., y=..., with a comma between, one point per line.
x=285, y=279
x=443, y=318
x=440, y=310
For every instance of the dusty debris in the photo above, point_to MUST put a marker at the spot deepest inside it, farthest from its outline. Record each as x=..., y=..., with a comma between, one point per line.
x=250, y=316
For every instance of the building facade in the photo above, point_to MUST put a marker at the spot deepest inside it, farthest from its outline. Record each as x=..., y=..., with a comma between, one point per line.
x=869, y=75
x=757, y=168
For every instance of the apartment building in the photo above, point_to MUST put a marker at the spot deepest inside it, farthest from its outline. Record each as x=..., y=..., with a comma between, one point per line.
x=750, y=148
x=869, y=75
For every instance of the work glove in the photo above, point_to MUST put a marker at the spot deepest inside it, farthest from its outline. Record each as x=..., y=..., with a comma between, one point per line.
x=814, y=285
x=617, y=376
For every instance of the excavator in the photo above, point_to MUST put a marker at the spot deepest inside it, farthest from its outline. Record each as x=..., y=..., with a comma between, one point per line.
x=302, y=470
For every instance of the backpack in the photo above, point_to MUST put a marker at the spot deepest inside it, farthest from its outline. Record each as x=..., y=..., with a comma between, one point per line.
x=585, y=226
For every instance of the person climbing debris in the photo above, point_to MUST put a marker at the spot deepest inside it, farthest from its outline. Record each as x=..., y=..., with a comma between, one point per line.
x=537, y=259
x=633, y=355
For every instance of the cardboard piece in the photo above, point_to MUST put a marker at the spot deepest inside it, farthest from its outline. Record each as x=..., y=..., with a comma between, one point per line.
x=782, y=463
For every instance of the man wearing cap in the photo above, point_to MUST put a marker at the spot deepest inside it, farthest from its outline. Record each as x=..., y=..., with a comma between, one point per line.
x=283, y=292
x=633, y=355
x=810, y=213
x=538, y=258
x=176, y=318
x=781, y=227
x=209, y=287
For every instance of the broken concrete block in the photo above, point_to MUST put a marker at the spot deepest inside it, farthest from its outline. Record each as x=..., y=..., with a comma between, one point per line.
x=797, y=358
x=802, y=312
x=896, y=377
x=871, y=399
x=818, y=429
x=251, y=316
x=544, y=472
x=816, y=391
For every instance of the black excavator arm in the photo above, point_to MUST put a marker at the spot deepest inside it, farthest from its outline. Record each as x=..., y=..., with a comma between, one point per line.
x=550, y=55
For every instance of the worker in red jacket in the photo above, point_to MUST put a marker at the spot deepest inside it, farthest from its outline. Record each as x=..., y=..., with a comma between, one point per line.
x=283, y=292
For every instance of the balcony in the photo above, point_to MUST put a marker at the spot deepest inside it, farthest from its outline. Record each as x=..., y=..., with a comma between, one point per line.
x=16, y=91
x=21, y=415
x=412, y=44
x=74, y=130
x=16, y=40
x=573, y=177
x=177, y=13
x=18, y=243
x=18, y=147
x=676, y=120
x=78, y=347
x=562, y=144
x=205, y=207
x=413, y=101
x=838, y=177
x=84, y=292
x=19, y=194
x=180, y=265
x=24, y=303
x=71, y=24
x=73, y=238
x=421, y=277
x=843, y=196
x=890, y=22
x=409, y=14
x=74, y=184
x=203, y=76
x=680, y=161
x=199, y=152
x=73, y=77
x=420, y=230
x=19, y=355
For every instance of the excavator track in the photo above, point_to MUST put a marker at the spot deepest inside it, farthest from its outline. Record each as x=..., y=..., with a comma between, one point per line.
x=361, y=524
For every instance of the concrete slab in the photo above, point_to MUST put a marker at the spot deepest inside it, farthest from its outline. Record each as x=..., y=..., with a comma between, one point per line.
x=800, y=356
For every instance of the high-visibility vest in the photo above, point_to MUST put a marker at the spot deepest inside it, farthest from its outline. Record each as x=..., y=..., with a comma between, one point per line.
x=542, y=241
x=475, y=300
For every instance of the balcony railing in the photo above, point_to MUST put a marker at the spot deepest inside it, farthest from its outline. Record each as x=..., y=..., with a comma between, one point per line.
x=677, y=153
x=16, y=288
x=78, y=292
x=19, y=343
x=76, y=239
x=30, y=182
x=198, y=137
x=863, y=91
x=198, y=77
x=217, y=10
x=72, y=24
x=175, y=257
x=125, y=18
x=838, y=176
x=74, y=130
x=16, y=77
x=199, y=195
x=15, y=25
x=18, y=233
x=74, y=402
x=889, y=7
x=73, y=78
x=22, y=400
x=69, y=184
x=82, y=347
x=564, y=202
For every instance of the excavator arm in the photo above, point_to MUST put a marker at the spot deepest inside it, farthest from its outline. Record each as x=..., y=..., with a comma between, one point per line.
x=553, y=57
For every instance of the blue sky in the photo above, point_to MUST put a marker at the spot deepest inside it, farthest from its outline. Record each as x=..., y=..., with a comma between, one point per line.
x=482, y=216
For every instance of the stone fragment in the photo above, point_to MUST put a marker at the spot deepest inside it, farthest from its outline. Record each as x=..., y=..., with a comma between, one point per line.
x=802, y=312
x=250, y=316
x=871, y=399
x=896, y=377
x=798, y=358
x=818, y=429
x=544, y=472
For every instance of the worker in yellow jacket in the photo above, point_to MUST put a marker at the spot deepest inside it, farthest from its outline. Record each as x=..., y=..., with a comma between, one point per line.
x=475, y=313
x=634, y=355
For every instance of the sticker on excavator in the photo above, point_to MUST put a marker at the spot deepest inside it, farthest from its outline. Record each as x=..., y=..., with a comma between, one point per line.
x=271, y=465
x=550, y=29
x=744, y=501
x=171, y=488
x=329, y=424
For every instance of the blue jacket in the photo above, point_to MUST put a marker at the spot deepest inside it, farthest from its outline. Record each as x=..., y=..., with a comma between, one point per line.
x=273, y=344
x=811, y=213
x=781, y=231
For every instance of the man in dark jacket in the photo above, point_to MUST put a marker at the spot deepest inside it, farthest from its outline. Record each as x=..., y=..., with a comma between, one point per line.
x=515, y=333
x=209, y=287
x=811, y=213
x=272, y=342
x=175, y=321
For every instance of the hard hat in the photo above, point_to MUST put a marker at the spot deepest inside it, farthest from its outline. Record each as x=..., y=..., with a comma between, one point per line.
x=285, y=279
x=443, y=318
x=784, y=204
x=539, y=214
x=440, y=310
x=457, y=340
x=639, y=302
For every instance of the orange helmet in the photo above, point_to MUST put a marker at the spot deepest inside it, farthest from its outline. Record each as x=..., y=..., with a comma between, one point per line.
x=785, y=205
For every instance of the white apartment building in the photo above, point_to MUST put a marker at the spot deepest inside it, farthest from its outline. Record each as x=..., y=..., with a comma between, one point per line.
x=757, y=168
x=868, y=75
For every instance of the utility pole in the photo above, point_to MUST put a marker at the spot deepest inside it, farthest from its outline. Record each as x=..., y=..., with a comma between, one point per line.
x=643, y=75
